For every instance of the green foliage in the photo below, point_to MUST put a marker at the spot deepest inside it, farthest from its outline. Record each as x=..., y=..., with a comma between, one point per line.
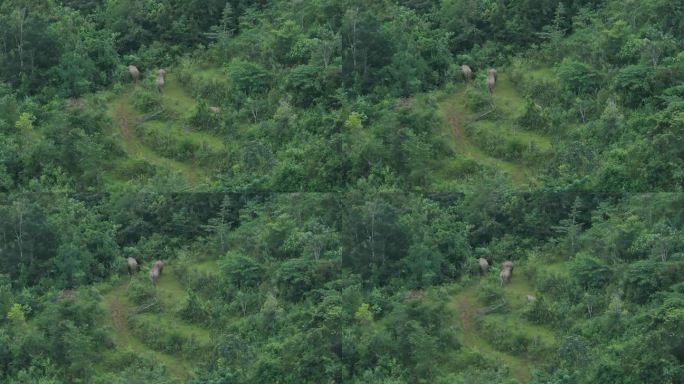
x=534, y=118
x=241, y=271
x=578, y=78
x=491, y=294
x=590, y=272
x=141, y=292
x=335, y=201
x=146, y=99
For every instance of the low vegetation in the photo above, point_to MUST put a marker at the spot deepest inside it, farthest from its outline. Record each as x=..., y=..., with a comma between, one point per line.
x=322, y=181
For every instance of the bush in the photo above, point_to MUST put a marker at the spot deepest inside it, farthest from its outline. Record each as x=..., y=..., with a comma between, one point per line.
x=204, y=119
x=194, y=310
x=642, y=280
x=578, y=78
x=477, y=100
x=534, y=118
x=141, y=291
x=510, y=338
x=491, y=293
x=539, y=312
x=555, y=285
x=146, y=100
x=241, y=271
x=160, y=338
x=590, y=272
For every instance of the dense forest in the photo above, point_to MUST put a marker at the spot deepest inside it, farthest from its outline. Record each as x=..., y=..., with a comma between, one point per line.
x=336, y=197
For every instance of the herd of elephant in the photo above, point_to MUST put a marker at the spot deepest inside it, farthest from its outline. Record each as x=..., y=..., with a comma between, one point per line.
x=491, y=77
x=159, y=82
x=466, y=71
x=505, y=273
x=155, y=271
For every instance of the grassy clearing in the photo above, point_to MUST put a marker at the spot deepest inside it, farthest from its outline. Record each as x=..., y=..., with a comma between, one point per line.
x=175, y=99
x=170, y=293
x=466, y=308
x=117, y=307
x=175, y=131
x=468, y=311
x=506, y=99
x=507, y=105
x=454, y=115
x=125, y=118
x=178, y=106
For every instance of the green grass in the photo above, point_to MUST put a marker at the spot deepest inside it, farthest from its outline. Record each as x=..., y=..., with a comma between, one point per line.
x=125, y=118
x=468, y=312
x=507, y=105
x=465, y=309
x=210, y=73
x=178, y=106
x=117, y=307
x=506, y=99
x=511, y=131
x=454, y=115
x=207, y=266
x=170, y=293
x=174, y=131
x=176, y=99
x=173, y=324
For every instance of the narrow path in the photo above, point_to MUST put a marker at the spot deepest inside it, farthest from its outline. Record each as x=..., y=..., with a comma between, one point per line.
x=455, y=123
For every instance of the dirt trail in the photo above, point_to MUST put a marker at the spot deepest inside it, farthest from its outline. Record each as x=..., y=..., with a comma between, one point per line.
x=122, y=116
x=466, y=314
x=455, y=124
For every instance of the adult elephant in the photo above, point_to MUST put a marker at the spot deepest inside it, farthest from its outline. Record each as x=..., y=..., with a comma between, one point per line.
x=132, y=265
x=484, y=265
x=467, y=73
x=155, y=271
x=134, y=72
x=160, y=81
x=506, y=272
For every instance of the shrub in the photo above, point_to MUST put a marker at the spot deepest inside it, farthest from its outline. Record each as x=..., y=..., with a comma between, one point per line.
x=477, y=100
x=146, y=100
x=590, y=272
x=539, y=312
x=193, y=309
x=534, y=118
x=141, y=291
x=241, y=271
x=491, y=293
